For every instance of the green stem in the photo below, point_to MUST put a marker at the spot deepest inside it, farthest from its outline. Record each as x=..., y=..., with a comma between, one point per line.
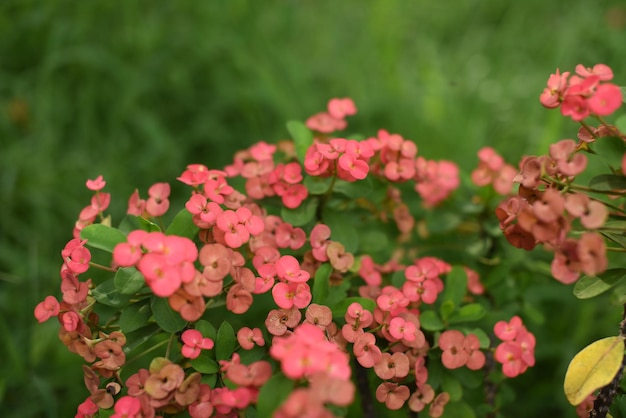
x=101, y=267
x=170, y=341
x=616, y=250
x=143, y=353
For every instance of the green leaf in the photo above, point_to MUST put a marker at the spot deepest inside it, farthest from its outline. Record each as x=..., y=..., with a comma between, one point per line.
x=317, y=185
x=619, y=239
x=102, y=237
x=339, y=310
x=205, y=364
x=302, y=138
x=128, y=280
x=459, y=410
x=592, y=368
x=590, y=286
x=337, y=293
x=452, y=385
x=168, y=319
x=272, y=394
x=131, y=222
x=482, y=336
x=206, y=329
x=182, y=225
x=136, y=338
x=108, y=294
x=608, y=182
x=468, y=313
x=355, y=189
x=430, y=321
x=455, y=286
x=446, y=309
x=225, y=341
x=135, y=316
x=321, y=283
x=301, y=215
x=373, y=241
x=342, y=229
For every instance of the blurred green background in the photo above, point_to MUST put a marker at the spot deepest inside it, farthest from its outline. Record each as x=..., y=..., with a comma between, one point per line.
x=136, y=90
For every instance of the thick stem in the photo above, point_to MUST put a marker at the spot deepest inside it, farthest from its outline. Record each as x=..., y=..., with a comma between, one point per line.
x=363, y=387
x=605, y=398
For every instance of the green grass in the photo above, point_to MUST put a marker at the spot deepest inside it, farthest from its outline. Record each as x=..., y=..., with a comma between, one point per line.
x=137, y=90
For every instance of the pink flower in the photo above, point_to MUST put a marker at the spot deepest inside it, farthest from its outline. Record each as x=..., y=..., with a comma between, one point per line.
x=602, y=71
x=194, y=175
x=454, y=355
x=194, y=343
x=127, y=407
x=158, y=202
x=340, y=108
x=325, y=123
x=606, y=99
x=287, y=295
x=288, y=268
x=136, y=205
x=97, y=184
x=366, y=351
x=46, y=309
x=247, y=338
x=76, y=256
x=392, y=394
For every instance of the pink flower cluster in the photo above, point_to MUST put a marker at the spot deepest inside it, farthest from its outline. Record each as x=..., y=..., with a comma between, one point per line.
x=516, y=353
x=333, y=119
x=583, y=94
x=493, y=170
x=100, y=201
x=460, y=350
x=306, y=353
x=265, y=178
x=166, y=261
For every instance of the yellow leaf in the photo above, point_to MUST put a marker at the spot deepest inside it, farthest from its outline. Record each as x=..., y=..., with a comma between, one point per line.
x=592, y=368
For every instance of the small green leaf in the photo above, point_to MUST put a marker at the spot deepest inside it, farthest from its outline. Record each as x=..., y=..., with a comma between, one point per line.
x=482, y=336
x=342, y=229
x=339, y=310
x=225, y=341
x=108, y=294
x=131, y=222
x=608, y=182
x=467, y=313
x=590, y=286
x=592, y=368
x=102, y=237
x=205, y=364
x=452, y=385
x=302, y=138
x=619, y=239
x=129, y=280
x=430, y=321
x=135, y=316
x=455, y=286
x=206, y=329
x=182, y=225
x=459, y=410
x=301, y=215
x=272, y=394
x=446, y=309
x=136, y=338
x=317, y=185
x=321, y=283
x=168, y=319
x=373, y=241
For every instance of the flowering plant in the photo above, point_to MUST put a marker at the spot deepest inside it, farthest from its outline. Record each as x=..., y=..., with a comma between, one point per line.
x=332, y=275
